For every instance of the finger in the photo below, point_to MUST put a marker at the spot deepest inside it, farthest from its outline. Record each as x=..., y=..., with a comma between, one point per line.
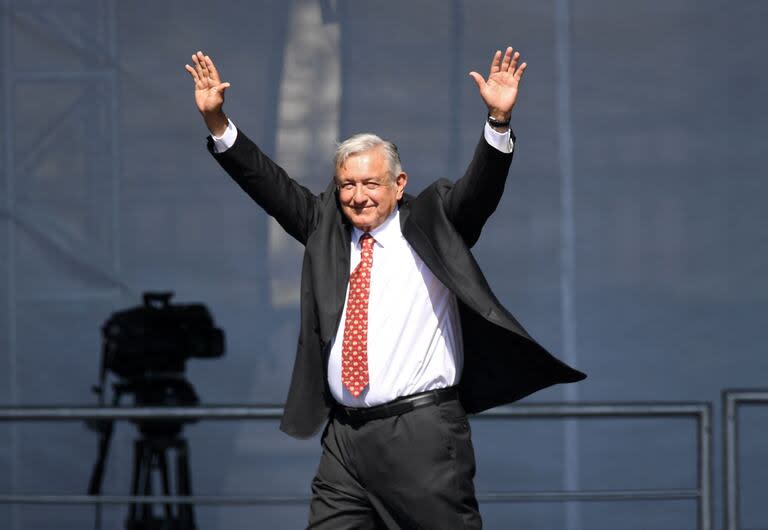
x=479, y=81
x=212, y=68
x=191, y=72
x=222, y=87
x=496, y=63
x=203, y=66
x=198, y=67
x=507, y=58
x=515, y=60
x=195, y=77
x=520, y=71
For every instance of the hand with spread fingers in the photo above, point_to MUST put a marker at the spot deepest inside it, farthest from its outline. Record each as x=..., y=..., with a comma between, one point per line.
x=209, y=92
x=499, y=91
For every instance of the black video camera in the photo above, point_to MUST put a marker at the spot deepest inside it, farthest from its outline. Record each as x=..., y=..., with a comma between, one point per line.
x=159, y=337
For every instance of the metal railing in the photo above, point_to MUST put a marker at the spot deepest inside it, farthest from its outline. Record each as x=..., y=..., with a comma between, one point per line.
x=701, y=412
x=731, y=401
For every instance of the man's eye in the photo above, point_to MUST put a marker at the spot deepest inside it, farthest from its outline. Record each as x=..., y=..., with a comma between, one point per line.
x=348, y=186
x=372, y=185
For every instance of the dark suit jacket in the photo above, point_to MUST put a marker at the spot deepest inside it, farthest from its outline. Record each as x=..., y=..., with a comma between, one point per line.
x=502, y=363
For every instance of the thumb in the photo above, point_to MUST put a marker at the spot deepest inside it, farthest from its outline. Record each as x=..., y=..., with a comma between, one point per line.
x=222, y=87
x=479, y=81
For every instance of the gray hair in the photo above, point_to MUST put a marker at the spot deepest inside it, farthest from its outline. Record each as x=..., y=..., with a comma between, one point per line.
x=360, y=143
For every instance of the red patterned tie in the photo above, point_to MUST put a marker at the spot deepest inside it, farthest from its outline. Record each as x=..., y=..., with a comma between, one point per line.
x=354, y=347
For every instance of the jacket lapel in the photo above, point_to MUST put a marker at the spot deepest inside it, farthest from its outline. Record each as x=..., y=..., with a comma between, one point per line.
x=342, y=241
x=420, y=242
x=328, y=261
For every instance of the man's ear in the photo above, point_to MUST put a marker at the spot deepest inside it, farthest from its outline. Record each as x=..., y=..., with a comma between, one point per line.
x=400, y=181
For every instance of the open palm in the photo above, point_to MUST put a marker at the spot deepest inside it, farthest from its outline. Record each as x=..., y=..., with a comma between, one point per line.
x=209, y=90
x=500, y=91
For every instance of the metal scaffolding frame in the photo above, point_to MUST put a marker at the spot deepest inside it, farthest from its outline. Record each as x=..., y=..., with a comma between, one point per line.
x=99, y=68
x=732, y=400
x=97, y=52
x=701, y=412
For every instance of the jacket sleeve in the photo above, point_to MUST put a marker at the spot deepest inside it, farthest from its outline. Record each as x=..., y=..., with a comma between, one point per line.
x=474, y=197
x=292, y=205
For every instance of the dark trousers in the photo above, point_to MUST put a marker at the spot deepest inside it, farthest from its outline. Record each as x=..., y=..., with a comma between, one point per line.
x=412, y=470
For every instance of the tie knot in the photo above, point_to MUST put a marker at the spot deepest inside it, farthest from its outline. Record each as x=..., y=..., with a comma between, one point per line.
x=366, y=241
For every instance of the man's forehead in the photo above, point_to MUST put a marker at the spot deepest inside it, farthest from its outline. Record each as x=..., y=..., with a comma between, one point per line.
x=371, y=161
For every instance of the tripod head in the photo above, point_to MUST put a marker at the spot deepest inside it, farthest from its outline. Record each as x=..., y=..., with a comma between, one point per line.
x=160, y=390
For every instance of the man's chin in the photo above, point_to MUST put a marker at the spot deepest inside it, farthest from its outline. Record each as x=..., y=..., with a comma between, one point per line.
x=362, y=221
x=364, y=224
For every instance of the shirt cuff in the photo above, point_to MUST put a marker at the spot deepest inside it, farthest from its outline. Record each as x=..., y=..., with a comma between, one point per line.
x=501, y=141
x=227, y=139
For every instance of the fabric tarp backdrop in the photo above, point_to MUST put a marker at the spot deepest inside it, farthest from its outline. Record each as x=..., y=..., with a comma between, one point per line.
x=631, y=240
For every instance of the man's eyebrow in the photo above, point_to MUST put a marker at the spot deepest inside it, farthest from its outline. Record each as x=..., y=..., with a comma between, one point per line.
x=363, y=180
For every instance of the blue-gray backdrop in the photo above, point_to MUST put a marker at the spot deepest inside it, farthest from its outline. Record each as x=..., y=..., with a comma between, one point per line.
x=631, y=241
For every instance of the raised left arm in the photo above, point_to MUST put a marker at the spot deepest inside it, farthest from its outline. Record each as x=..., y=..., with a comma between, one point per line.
x=499, y=91
x=474, y=197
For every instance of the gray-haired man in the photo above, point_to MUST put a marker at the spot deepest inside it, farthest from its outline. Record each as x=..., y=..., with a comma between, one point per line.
x=400, y=333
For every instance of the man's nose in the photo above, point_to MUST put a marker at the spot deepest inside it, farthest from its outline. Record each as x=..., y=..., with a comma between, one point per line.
x=359, y=196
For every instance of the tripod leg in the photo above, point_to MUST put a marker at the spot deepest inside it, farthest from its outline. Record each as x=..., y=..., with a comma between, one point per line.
x=149, y=460
x=97, y=475
x=138, y=455
x=186, y=513
x=163, y=465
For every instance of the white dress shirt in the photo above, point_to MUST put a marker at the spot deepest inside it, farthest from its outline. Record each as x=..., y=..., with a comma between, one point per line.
x=414, y=331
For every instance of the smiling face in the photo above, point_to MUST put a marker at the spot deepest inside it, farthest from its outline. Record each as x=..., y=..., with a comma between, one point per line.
x=366, y=192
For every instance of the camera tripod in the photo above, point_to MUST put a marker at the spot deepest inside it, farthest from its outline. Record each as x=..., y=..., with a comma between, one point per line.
x=151, y=455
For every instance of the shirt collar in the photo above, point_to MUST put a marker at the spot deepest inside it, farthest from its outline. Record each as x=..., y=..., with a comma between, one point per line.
x=386, y=233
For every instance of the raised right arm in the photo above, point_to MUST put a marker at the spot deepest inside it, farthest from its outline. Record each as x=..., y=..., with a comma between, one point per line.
x=209, y=92
x=292, y=205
